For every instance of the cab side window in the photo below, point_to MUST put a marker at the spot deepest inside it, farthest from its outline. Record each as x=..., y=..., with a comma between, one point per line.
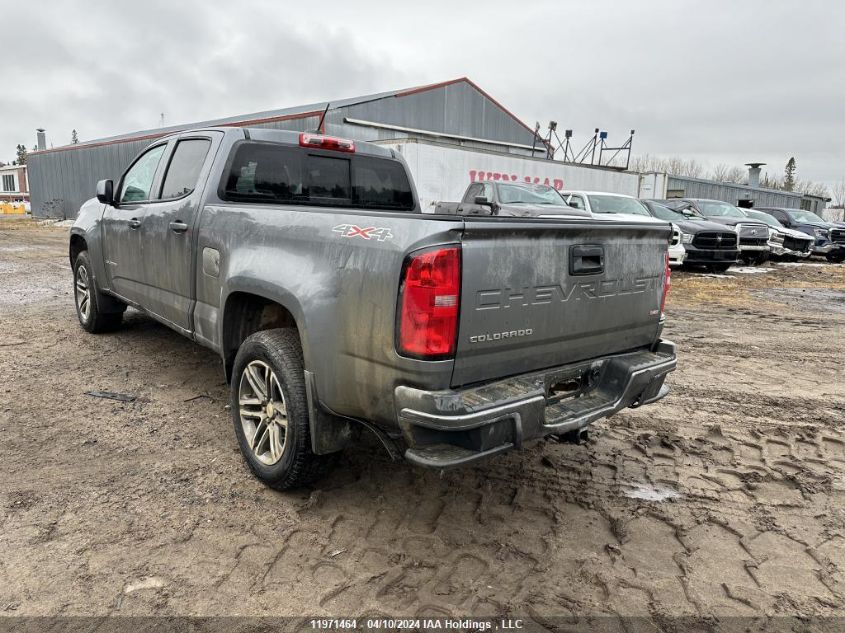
x=184, y=170
x=139, y=179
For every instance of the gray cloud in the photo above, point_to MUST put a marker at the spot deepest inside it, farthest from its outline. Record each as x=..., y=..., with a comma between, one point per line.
x=705, y=80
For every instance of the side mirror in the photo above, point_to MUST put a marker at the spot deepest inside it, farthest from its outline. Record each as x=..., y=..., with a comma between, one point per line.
x=482, y=200
x=105, y=191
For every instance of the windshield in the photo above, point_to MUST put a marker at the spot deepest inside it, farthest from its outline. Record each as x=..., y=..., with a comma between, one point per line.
x=805, y=216
x=765, y=217
x=617, y=204
x=720, y=209
x=529, y=194
x=665, y=213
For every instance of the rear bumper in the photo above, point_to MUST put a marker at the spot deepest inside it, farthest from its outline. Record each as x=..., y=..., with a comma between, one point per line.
x=455, y=427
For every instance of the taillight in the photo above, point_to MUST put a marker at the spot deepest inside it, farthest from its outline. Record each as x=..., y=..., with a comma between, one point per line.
x=667, y=281
x=430, y=296
x=319, y=141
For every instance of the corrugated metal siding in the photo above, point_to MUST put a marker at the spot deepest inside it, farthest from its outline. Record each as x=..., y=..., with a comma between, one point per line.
x=62, y=180
x=695, y=188
x=454, y=109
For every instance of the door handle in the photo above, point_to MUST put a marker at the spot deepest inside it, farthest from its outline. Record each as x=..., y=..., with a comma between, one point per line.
x=134, y=223
x=178, y=226
x=586, y=260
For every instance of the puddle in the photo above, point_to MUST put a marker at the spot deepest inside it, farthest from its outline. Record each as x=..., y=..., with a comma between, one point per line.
x=647, y=492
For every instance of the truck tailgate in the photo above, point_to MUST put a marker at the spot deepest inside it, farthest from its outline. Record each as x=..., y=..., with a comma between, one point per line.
x=539, y=294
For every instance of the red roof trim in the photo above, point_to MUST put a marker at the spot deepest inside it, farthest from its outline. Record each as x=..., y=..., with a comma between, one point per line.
x=469, y=81
x=150, y=137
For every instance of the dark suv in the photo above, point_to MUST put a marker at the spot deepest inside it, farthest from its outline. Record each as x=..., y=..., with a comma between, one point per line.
x=753, y=234
x=830, y=238
x=706, y=243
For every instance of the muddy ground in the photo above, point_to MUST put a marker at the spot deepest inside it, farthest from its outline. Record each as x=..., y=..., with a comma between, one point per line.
x=726, y=499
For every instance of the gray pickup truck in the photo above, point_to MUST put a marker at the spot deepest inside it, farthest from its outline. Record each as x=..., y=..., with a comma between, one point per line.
x=515, y=199
x=336, y=305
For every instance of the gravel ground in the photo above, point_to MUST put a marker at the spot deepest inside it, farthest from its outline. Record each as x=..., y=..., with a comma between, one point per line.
x=726, y=499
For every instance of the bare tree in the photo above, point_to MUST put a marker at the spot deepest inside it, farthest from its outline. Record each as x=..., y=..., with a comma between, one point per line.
x=837, y=192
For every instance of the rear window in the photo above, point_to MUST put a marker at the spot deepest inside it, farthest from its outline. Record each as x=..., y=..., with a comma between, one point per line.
x=279, y=174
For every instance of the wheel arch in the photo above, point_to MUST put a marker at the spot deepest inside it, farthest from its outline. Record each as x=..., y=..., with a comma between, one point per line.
x=247, y=311
x=77, y=244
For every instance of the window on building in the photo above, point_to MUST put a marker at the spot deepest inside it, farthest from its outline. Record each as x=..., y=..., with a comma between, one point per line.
x=184, y=170
x=8, y=182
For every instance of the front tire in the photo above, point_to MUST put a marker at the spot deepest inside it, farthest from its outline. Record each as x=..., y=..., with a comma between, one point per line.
x=270, y=410
x=836, y=258
x=89, y=301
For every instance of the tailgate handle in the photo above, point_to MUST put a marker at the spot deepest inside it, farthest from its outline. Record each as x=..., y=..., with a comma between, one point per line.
x=586, y=260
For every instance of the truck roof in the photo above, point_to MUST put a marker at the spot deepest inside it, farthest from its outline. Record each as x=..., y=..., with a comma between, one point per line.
x=287, y=137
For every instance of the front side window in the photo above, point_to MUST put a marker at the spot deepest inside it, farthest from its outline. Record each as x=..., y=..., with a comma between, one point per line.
x=278, y=174
x=139, y=179
x=184, y=170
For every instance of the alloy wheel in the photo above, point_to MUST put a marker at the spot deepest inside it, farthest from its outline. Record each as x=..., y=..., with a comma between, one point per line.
x=263, y=412
x=83, y=293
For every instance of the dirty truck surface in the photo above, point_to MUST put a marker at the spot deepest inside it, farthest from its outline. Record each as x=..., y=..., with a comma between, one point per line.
x=726, y=500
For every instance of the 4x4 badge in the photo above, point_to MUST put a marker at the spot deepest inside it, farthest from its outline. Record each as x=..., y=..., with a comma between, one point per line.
x=368, y=233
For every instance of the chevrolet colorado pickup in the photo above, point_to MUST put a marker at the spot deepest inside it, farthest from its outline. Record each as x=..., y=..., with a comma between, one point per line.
x=336, y=305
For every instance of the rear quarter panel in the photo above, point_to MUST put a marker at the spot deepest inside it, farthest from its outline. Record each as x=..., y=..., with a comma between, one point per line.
x=340, y=287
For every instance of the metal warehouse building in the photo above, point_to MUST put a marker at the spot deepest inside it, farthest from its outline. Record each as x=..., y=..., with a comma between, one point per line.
x=659, y=185
x=455, y=113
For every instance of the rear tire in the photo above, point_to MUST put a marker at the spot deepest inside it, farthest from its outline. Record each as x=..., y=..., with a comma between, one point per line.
x=836, y=258
x=90, y=301
x=270, y=411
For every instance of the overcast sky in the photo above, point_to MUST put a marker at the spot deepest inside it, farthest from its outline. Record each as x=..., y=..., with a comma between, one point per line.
x=709, y=80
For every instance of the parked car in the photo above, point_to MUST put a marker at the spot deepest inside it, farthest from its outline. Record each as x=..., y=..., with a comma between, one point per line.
x=707, y=244
x=515, y=199
x=622, y=207
x=336, y=305
x=783, y=242
x=753, y=234
x=829, y=238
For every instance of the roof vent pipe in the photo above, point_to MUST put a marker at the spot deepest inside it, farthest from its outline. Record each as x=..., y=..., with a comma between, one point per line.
x=754, y=174
x=42, y=139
